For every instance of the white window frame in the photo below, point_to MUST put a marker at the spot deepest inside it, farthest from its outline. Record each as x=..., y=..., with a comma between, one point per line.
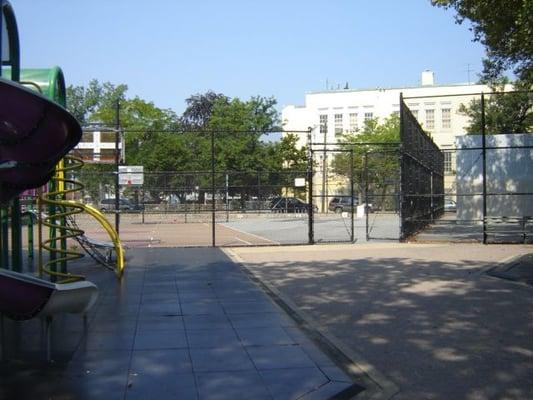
x=430, y=118
x=338, y=124
x=446, y=114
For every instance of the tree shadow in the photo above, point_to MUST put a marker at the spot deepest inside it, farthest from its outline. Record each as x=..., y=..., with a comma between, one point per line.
x=439, y=330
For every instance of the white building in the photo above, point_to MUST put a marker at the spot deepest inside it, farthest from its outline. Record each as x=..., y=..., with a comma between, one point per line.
x=334, y=112
x=99, y=147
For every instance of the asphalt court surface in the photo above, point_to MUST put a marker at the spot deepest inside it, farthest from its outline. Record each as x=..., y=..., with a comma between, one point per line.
x=170, y=230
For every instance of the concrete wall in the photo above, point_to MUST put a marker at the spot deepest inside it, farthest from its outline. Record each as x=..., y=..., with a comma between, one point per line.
x=508, y=171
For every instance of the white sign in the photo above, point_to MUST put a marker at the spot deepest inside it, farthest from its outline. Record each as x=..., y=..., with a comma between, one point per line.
x=130, y=175
x=299, y=182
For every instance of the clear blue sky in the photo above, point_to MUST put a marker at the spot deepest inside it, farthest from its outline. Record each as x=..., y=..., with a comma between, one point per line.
x=167, y=50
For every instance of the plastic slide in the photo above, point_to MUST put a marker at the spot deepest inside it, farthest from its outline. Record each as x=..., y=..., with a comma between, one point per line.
x=35, y=133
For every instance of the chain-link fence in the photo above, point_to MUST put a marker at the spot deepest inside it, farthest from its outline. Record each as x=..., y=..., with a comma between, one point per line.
x=217, y=188
x=488, y=190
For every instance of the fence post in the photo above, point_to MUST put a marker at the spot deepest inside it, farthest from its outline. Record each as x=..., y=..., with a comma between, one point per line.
x=365, y=209
x=484, y=157
x=352, y=233
x=117, y=163
x=227, y=197
x=310, y=211
x=400, y=156
x=213, y=208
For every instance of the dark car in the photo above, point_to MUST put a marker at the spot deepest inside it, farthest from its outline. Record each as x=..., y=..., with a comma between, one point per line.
x=290, y=205
x=125, y=205
x=341, y=204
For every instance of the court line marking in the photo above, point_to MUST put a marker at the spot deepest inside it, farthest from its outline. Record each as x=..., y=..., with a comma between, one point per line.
x=252, y=234
x=243, y=241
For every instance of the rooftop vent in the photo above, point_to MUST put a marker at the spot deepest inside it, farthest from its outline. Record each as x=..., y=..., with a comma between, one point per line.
x=428, y=78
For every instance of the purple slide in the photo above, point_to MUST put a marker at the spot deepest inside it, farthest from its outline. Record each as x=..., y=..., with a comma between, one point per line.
x=35, y=133
x=25, y=296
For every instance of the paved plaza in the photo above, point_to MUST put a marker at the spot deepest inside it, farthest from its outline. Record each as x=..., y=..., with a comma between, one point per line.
x=348, y=321
x=431, y=318
x=182, y=324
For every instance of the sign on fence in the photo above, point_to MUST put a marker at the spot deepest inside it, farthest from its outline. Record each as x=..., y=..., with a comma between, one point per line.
x=299, y=182
x=130, y=175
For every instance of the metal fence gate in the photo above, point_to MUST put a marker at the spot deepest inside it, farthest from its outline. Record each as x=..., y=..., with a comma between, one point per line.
x=356, y=190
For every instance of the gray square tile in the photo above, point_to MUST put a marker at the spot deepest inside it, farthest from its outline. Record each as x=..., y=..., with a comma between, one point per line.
x=221, y=359
x=263, y=336
x=190, y=296
x=212, y=338
x=126, y=325
x=215, y=321
x=161, y=323
x=99, y=362
x=202, y=308
x=274, y=357
x=160, y=339
x=292, y=383
x=231, y=386
x=159, y=298
x=169, y=362
x=144, y=386
x=246, y=307
x=108, y=340
x=258, y=320
x=92, y=387
x=164, y=309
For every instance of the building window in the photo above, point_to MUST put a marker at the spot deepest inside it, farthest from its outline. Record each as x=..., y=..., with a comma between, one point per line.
x=338, y=124
x=448, y=166
x=415, y=113
x=323, y=123
x=430, y=119
x=446, y=118
x=369, y=116
x=353, y=122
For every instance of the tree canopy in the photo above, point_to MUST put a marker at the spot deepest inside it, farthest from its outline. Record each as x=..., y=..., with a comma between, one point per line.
x=160, y=140
x=505, y=112
x=376, y=145
x=505, y=28
x=199, y=109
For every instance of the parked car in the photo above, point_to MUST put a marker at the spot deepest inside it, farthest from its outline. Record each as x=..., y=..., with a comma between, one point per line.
x=341, y=204
x=290, y=205
x=450, y=206
x=124, y=205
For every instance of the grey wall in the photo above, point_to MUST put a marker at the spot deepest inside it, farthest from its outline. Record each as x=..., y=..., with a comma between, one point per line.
x=508, y=171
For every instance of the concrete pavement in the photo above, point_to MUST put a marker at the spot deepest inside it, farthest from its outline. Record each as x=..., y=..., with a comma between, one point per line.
x=428, y=318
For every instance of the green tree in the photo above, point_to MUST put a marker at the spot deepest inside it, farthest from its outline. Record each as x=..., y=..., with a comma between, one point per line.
x=86, y=102
x=504, y=112
x=376, y=145
x=199, y=109
x=505, y=28
x=241, y=131
x=160, y=140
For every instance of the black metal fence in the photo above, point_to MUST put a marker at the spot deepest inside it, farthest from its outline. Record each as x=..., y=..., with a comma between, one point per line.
x=488, y=190
x=356, y=190
x=477, y=188
x=422, y=176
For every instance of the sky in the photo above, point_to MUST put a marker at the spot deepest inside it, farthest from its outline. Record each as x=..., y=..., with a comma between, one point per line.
x=168, y=50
